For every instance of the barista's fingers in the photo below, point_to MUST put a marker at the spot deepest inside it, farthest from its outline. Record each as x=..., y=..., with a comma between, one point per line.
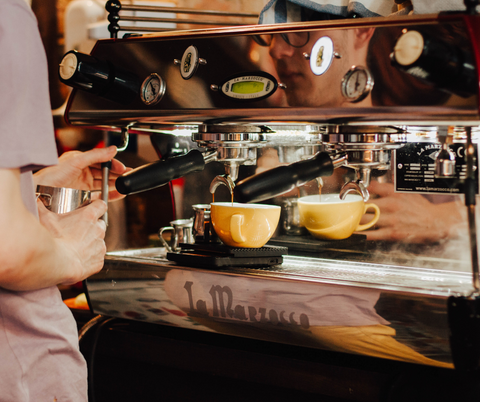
x=114, y=195
x=381, y=189
x=118, y=168
x=97, y=209
x=389, y=205
x=382, y=234
x=97, y=173
x=95, y=156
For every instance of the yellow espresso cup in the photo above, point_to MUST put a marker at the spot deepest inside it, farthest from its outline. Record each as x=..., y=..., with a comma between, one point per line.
x=244, y=225
x=328, y=217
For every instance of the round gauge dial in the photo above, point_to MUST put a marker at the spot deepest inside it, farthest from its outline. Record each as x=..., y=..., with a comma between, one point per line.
x=357, y=84
x=153, y=89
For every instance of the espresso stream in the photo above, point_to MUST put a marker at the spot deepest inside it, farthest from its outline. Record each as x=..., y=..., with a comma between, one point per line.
x=213, y=198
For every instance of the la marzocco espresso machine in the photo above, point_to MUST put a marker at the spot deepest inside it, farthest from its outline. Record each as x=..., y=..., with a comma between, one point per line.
x=271, y=113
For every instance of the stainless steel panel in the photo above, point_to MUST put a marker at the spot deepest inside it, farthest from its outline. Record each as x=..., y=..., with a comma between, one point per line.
x=389, y=311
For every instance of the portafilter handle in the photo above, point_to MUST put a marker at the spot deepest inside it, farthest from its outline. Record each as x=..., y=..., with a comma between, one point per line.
x=159, y=173
x=282, y=179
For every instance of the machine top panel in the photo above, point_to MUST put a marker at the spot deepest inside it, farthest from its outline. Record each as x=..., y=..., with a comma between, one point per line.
x=379, y=71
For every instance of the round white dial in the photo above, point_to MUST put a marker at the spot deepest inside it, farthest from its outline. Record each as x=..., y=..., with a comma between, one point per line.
x=321, y=55
x=68, y=66
x=357, y=84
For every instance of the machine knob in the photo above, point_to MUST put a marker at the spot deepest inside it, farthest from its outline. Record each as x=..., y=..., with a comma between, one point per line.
x=99, y=77
x=282, y=179
x=442, y=64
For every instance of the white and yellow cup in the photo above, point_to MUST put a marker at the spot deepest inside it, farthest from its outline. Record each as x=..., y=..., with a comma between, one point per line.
x=328, y=217
x=244, y=225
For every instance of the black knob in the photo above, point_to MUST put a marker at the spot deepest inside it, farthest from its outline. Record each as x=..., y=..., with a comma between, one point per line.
x=442, y=64
x=99, y=77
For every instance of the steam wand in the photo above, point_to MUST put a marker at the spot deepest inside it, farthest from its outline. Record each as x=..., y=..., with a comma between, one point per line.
x=470, y=204
x=106, y=166
x=464, y=311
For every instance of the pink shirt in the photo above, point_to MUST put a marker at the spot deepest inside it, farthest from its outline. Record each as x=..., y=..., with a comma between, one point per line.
x=39, y=356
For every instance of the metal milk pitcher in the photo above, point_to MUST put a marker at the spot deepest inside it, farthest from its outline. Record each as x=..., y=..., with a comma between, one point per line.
x=182, y=232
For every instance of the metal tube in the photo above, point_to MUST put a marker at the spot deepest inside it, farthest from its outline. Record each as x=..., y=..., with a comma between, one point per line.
x=470, y=203
x=176, y=20
x=105, y=176
x=179, y=10
x=473, y=245
x=339, y=160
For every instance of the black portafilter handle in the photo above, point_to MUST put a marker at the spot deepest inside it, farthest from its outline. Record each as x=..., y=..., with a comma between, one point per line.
x=282, y=179
x=159, y=173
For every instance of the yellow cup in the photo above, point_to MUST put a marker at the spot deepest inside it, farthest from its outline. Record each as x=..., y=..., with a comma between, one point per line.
x=244, y=225
x=329, y=217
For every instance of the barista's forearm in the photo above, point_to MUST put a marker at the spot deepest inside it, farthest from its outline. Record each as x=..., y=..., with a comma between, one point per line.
x=30, y=257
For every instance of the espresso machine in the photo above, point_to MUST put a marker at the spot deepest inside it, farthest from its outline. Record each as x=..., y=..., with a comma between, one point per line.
x=409, y=114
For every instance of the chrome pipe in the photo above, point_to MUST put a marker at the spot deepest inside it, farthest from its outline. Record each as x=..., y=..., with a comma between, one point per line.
x=180, y=10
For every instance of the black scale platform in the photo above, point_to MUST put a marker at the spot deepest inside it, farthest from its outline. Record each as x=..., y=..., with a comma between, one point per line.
x=218, y=255
x=206, y=255
x=307, y=243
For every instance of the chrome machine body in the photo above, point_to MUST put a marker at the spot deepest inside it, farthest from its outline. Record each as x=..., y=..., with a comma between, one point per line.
x=219, y=88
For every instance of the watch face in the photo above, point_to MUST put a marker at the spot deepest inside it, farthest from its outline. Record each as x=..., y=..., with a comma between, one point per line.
x=153, y=89
x=357, y=84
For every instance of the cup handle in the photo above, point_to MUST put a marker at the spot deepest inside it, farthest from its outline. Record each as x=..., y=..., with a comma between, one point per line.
x=236, y=222
x=38, y=195
x=164, y=242
x=374, y=219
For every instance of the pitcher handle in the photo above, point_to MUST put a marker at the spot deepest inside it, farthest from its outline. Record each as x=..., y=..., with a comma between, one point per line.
x=164, y=242
x=49, y=196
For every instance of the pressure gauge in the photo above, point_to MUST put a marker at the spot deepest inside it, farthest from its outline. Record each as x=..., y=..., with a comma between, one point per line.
x=357, y=84
x=153, y=89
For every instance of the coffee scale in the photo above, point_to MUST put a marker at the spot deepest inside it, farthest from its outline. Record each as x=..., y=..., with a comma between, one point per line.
x=409, y=113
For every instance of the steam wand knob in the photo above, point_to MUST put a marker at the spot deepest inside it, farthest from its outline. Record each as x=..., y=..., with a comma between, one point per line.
x=471, y=6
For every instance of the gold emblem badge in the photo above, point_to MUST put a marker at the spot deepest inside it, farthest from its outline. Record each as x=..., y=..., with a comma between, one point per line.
x=320, y=56
x=187, y=64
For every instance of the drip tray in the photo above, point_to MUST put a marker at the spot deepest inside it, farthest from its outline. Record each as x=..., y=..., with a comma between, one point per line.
x=356, y=242
x=219, y=255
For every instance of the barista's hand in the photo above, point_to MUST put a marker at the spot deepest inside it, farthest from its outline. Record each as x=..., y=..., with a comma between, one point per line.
x=80, y=235
x=82, y=171
x=411, y=218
